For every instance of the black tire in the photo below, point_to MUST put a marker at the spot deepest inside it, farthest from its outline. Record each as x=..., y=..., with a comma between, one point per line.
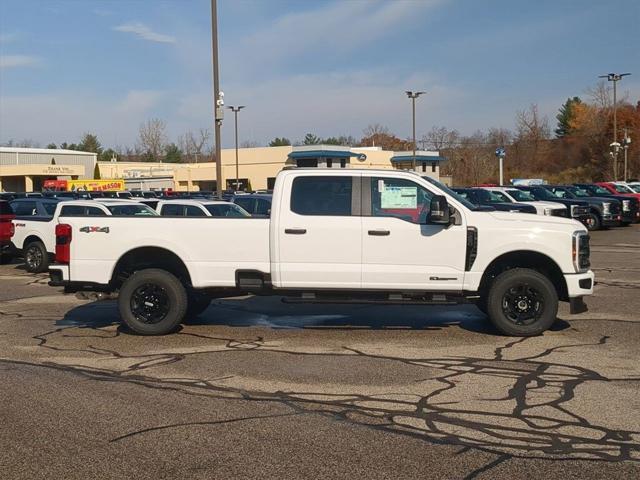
x=481, y=304
x=5, y=258
x=198, y=303
x=522, y=302
x=593, y=222
x=152, y=302
x=36, y=258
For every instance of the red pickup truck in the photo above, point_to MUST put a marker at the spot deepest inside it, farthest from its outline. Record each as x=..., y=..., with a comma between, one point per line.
x=7, y=229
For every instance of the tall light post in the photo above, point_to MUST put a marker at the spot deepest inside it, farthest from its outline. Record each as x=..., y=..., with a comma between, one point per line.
x=615, y=78
x=235, y=111
x=218, y=96
x=413, y=96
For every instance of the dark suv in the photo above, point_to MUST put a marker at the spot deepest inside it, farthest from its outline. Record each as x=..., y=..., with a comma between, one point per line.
x=576, y=209
x=630, y=206
x=497, y=200
x=603, y=212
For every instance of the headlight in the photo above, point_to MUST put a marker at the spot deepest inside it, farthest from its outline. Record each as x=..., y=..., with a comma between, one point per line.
x=548, y=211
x=606, y=207
x=580, y=251
x=626, y=205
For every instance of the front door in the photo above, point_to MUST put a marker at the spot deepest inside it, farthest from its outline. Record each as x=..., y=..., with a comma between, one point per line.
x=319, y=237
x=399, y=249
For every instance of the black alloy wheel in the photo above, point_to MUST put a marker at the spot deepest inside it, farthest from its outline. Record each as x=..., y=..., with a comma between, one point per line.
x=522, y=304
x=150, y=303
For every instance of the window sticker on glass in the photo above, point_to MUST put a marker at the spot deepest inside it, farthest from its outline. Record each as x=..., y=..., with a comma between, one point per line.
x=399, y=197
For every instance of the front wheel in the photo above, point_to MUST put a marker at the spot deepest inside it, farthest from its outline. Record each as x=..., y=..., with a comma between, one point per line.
x=152, y=302
x=522, y=302
x=593, y=222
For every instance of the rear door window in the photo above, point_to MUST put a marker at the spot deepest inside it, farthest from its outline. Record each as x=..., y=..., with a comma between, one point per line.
x=324, y=196
x=95, y=212
x=172, y=210
x=193, y=211
x=72, y=211
x=247, y=203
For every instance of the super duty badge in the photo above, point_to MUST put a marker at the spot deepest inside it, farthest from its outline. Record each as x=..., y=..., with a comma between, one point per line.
x=94, y=229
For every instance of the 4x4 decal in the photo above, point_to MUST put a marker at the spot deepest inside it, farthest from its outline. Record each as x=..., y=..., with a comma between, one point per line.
x=95, y=229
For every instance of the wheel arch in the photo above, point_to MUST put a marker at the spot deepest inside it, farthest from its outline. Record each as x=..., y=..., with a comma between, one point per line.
x=32, y=238
x=141, y=258
x=526, y=259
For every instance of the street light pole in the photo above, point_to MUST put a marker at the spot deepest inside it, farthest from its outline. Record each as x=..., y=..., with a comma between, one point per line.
x=218, y=102
x=413, y=96
x=615, y=78
x=235, y=111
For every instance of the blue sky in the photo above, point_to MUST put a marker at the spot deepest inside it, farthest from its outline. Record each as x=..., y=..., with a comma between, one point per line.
x=328, y=67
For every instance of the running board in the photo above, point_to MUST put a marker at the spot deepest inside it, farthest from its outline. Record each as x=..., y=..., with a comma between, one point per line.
x=391, y=299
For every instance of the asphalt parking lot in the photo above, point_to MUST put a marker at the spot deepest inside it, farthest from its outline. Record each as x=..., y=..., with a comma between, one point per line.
x=258, y=388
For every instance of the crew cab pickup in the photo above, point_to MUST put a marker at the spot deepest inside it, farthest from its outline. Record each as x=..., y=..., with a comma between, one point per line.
x=334, y=236
x=36, y=221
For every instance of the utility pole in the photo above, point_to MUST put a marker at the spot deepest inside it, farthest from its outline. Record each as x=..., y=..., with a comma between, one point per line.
x=500, y=153
x=218, y=96
x=235, y=111
x=413, y=96
x=615, y=78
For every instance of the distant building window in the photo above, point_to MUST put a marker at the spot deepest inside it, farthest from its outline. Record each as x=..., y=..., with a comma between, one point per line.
x=343, y=162
x=329, y=162
x=424, y=166
x=433, y=167
x=307, y=162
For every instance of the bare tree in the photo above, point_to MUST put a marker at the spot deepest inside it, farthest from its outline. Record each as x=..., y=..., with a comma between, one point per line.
x=375, y=129
x=152, y=138
x=440, y=138
x=193, y=143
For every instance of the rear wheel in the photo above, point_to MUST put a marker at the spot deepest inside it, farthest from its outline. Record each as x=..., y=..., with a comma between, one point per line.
x=522, y=302
x=36, y=258
x=152, y=302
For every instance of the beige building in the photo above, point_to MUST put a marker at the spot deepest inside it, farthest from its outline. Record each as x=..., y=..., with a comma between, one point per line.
x=258, y=167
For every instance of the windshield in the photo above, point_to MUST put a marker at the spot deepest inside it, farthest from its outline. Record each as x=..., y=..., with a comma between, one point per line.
x=596, y=190
x=455, y=195
x=622, y=188
x=493, y=196
x=521, y=195
x=543, y=194
x=131, y=210
x=579, y=192
x=222, y=210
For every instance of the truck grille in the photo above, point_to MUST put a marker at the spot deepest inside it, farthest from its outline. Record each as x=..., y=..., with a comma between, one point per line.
x=578, y=211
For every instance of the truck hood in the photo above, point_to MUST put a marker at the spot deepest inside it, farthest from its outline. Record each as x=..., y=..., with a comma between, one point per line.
x=544, y=203
x=539, y=220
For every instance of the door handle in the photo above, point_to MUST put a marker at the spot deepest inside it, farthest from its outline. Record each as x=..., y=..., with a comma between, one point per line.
x=379, y=233
x=295, y=231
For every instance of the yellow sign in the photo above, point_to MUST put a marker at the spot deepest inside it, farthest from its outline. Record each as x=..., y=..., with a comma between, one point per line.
x=96, y=185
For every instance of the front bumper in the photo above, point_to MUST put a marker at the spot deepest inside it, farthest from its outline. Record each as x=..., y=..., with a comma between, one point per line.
x=578, y=286
x=58, y=275
x=611, y=220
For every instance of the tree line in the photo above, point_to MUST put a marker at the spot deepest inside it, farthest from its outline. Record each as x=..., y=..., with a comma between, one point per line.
x=576, y=149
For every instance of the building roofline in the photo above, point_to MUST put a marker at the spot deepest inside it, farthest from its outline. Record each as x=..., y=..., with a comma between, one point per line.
x=52, y=151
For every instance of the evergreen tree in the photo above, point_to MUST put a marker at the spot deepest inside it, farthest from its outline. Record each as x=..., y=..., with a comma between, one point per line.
x=311, y=139
x=565, y=115
x=279, y=142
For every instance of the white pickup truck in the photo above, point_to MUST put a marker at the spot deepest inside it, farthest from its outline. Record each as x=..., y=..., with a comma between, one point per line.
x=36, y=220
x=381, y=236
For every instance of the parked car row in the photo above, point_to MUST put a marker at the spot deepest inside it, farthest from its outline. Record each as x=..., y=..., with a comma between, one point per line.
x=597, y=206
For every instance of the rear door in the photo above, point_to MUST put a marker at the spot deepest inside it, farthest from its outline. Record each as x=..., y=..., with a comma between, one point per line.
x=319, y=235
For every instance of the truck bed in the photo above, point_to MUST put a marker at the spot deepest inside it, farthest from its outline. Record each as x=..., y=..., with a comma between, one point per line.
x=212, y=249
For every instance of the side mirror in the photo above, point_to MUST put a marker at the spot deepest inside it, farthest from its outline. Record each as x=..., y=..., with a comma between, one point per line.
x=439, y=213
